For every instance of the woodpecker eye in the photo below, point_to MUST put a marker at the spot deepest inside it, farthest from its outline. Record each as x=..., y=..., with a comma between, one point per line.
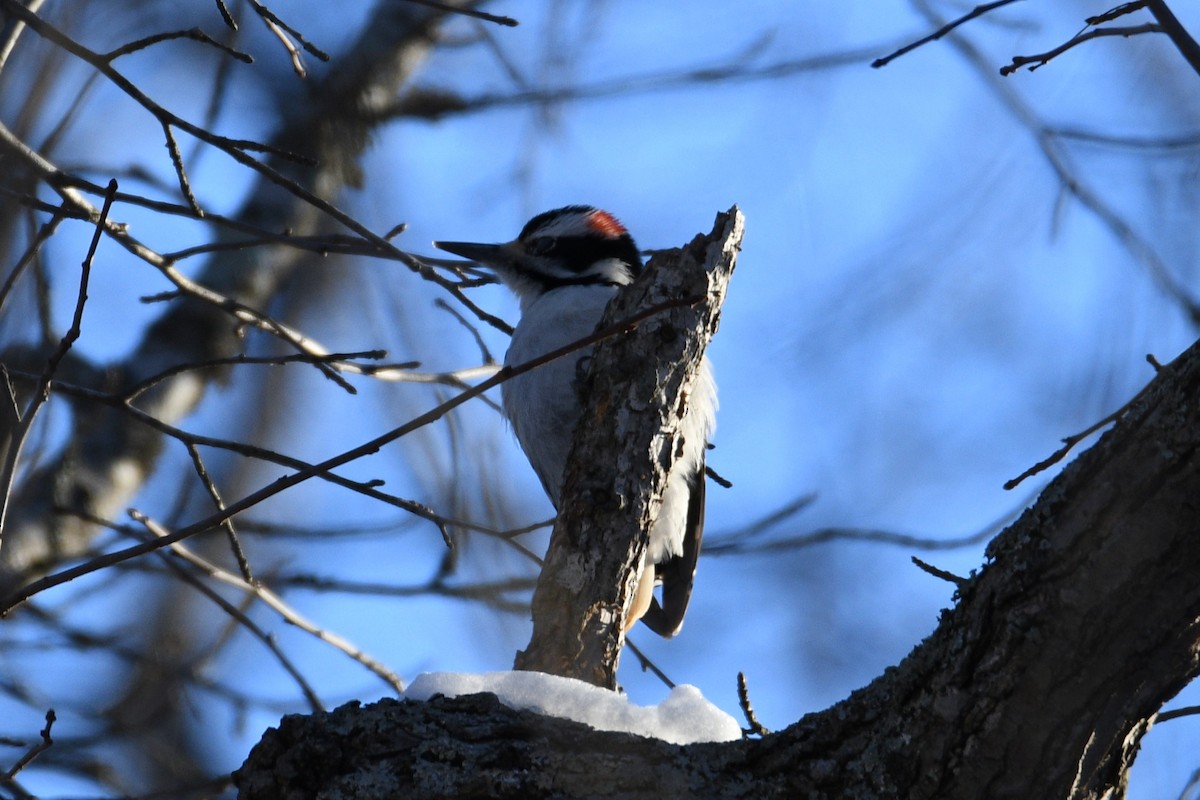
x=539, y=246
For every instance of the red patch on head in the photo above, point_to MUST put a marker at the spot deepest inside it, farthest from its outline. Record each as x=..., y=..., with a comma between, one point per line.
x=606, y=224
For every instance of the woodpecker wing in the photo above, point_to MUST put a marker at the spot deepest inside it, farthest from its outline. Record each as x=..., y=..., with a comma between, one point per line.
x=679, y=572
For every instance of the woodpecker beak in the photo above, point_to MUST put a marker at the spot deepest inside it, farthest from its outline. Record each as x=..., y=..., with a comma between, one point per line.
x=497, y=256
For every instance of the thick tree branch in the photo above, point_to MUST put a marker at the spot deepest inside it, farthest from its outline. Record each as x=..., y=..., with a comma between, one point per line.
x=1040, y=682
x=623, y=449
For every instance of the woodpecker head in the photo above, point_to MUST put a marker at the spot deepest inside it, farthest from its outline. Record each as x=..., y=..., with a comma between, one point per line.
x=571, y=246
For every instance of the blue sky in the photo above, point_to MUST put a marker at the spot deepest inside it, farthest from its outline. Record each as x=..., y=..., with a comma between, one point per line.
x=920, y=312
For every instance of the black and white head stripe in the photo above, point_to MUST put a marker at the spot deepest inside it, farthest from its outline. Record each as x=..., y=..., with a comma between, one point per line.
x=577, y=237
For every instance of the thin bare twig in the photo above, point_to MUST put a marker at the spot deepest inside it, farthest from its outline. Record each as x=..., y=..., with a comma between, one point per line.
x=219, y=91
x=827, y=535
x=484, y=352
x=195, y=34
x=97, y=61
x=264, y=454
x=937, y=572
x=435, y=104
x=1069, y=442
x=14, y=33
x=495, y=594
x=261, y=320
x=1116, y=13
x=280, y=34
x=40, y=238
x=978, y=11
x=72, y=334
x=185, y=186
x=273, y=601
x=239, y=617
x=717, y=478
x=1176, y=713
x=62, y=183
x=469, y=12
x=234, y=148
x=269, y=16
x=67, y=119
x=321, y=245
x=1041, y=59
x=37, y=204
x=17, y=424
x=765, y=523
x=1138, y=247
x=756, y=728
x=740, y=541
x=235, y=544
x=1177, y=142
x=647, y=665
x=334, y=359
x=285, y=33
x=230, y=22
x=118, y=232
x=323, y=468
x=45, y=744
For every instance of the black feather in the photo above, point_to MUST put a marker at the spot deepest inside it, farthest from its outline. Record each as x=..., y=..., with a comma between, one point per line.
x=678, y=573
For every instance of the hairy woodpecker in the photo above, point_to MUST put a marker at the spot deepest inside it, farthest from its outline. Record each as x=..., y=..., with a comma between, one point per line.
x=564, y=267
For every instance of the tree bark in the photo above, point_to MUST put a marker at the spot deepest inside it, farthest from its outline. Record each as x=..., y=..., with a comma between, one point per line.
x=622, y=452
x=1039, y=683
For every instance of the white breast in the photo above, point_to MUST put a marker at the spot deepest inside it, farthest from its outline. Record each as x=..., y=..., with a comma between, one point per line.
x=543, y=405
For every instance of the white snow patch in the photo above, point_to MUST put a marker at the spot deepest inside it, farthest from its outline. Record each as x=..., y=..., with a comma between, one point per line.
x=682, y=718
